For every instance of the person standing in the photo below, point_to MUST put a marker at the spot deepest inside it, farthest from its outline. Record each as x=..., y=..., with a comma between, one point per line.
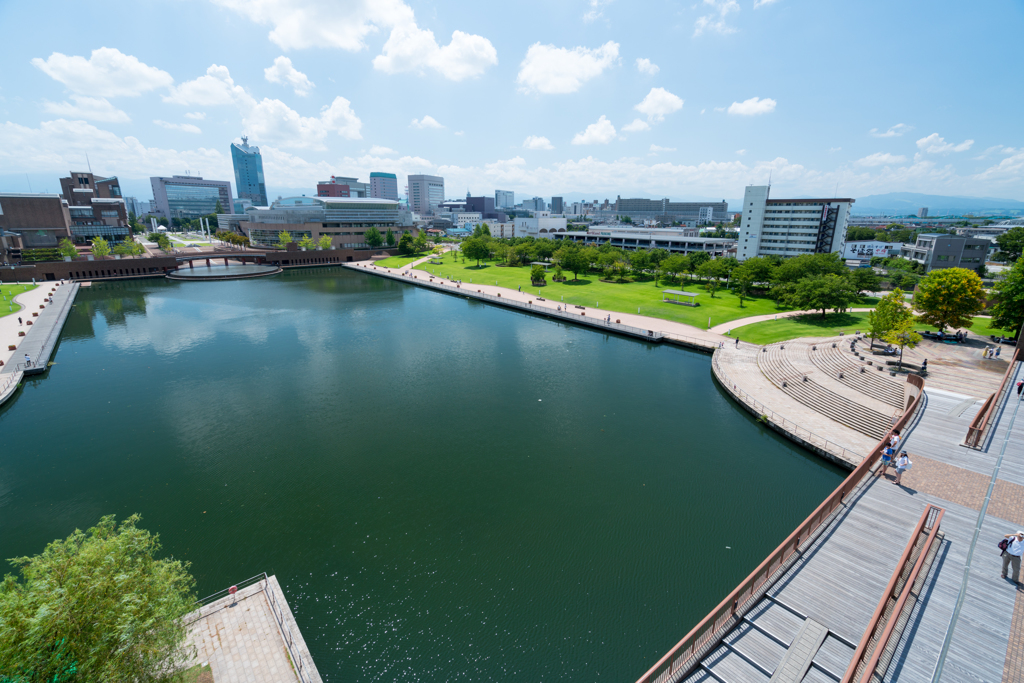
x=1020, y=388
x=1011, y=556
x=19, y=320
x=28, y=361
x=902, y=464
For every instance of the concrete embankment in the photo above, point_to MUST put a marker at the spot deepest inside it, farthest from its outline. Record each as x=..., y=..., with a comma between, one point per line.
x=40, y=339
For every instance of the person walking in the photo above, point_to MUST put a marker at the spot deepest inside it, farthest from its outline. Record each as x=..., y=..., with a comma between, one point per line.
x=1011, y=556
x=737, y=342
x=902, y=465
x=19, y=320
x=924, y=365
x=998, y=349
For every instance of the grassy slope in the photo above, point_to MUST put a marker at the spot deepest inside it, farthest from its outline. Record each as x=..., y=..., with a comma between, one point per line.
x=11, y=291
x=397, y=261
x=590, y=291
x=814, y=326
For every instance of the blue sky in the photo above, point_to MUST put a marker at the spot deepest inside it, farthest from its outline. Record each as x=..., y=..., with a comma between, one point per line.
x=687, y=100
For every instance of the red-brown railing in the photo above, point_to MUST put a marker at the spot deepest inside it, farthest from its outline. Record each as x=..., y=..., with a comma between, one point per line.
x=932, y=516
x=976, y=432
x=688, y=651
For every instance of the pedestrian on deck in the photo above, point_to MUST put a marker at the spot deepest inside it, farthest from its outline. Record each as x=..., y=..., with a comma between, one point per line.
x=902, y=465
x=997, y=351
x=28, y=361
x=1011, y=556
x=924, y=365
x=1020, y=388
x=737, y=342
x=886, y=462
x=19, y=320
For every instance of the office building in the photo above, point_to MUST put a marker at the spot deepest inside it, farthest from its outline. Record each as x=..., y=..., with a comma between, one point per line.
x=426, y=192
x=673, y=240
x=485, y=206
x=535, y=204
x=345, y=219
x=922, y=212
x=664, y=211
x=189, y=197
x=95, y=207
x=32, y=221
x=134, y=205
x=504, y=199
x=80, y=188
x=937, y=251
x=790, y=227
x=865, y=250
x=556, y=205
x=384, y=186
x=340, y=186
x=248, y=165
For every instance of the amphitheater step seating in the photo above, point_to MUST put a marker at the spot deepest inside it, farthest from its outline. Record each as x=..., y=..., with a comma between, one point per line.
x=834, y=358
x=774, y=364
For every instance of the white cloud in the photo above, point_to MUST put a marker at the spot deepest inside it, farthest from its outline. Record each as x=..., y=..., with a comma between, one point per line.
x=658, y=103
x=741, y=152
x=196, y=115
x=645, y=66
x=552, y=70
x=107, y=73
x=426, y=122
x=460, y=132
x=88, y=109
x=657, y=148
x=600, y=133
x=996, y=149
x=410, y=48
x=715, y=21
x=284, y=73
x=379, y=151
x=595, y=12
x=881, y=159
x=537, y=142
x=933, y=144
x=636, y=126
x=215, y=88
x=752, y=107
x=896, y=131
x=834, y=149
x=183, y=127
x=762, y=3
x=275, y=122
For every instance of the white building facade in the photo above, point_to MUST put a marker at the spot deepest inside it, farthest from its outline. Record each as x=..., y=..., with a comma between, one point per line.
x=540, y=224
x=790, y=227
x=426, y=192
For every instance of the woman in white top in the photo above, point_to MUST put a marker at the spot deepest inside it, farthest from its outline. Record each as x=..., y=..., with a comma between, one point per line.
x=902, y=463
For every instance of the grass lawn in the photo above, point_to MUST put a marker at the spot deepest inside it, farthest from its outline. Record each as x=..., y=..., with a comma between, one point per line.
x=831, y=325
x=589, y=291
x=7, y=307
x=398, y=261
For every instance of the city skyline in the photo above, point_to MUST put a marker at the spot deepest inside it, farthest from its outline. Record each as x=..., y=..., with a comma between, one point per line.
x=601, y=109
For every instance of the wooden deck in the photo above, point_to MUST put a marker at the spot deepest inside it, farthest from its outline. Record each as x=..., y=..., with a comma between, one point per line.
x=840, y=578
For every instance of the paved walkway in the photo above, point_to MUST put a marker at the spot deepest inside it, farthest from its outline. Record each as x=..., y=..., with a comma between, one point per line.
x=725, y=327
x=9, y=327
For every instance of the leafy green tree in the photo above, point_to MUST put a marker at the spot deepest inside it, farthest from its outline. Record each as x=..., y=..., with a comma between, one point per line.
x=558, y=273
x=903, y=335
x=482, y=230
x=888, y=314
x=97, y=606
x=865, y=280
x=858, y=234
x=573, y=258
x=324, y=242
x=545, y=248
x=476, y=248
x=639, y=261
x=219, y=208
x=1008, y=311
x=743, y=282
x=284, y=238
x=373, y=238
x=537, y=275
x=67, y=248
x=656, y=256
x=758, y=269
x=676, y=265
x=822, y=292
x=949, y=297
x=164, y=242
x=389, y=237
x=697, y=259
x=100, y=247
x=405, y=244
x=807, y=265
x=1011, y=243
x=307, y=242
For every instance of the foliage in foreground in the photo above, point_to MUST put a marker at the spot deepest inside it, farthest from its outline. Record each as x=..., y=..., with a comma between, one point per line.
x=1008, y=312
x=950, y=297
x=97, y=606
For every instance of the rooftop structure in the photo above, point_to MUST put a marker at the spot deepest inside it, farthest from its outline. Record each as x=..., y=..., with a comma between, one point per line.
x=791, y=227
x=249, y=181
x=341, y=186
x=80, y=187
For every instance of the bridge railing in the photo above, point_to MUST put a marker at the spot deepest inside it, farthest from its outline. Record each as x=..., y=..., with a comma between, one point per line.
x=709, y=632
x=980, y=423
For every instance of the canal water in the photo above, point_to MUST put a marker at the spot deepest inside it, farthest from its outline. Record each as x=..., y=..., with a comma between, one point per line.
x=447, y=491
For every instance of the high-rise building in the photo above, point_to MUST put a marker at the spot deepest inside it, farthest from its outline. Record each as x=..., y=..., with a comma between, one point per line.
x=556, y=205
x=790, y=227
x=189, y=196
x=426, y=192
x=535, y=204
x=504, y=199
x=249, y=172
x=922, y=212
x=95, y=206
x=384, y=186
x=340, y=186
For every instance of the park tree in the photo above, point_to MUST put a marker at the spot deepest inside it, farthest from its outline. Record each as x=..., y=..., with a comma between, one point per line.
x=822, y=292
x=537, y=275
x=656, y=256
x=419, y=243
x=808, y=265
x=1008, y=311
x=903, y=336
x=890, y=312
x=100, y=247
x=949, y=297
x=544, y=248
x=284, y=238
x=639, y=261
x=865, y=280
x=1011, y=243
x=676, y=265
x=697, y=259
x=373, y=238
x=97, y=606
x=405, y=244
x=307, y=242
x=482, y=230
x=389, y=237
x=67, y=248
x=219, y=208
x=324, y=242
x=758, y=269
x=742, y=282
x=573, y=258
x=476, y=248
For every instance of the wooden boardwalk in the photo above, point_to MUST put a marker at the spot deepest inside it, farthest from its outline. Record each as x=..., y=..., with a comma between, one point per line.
x=837, y=583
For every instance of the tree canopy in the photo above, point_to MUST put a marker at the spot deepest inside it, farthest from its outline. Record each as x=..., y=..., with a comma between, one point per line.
x=822, y=292
x=807, y=265
x=949, y=297
x=1011, y=243
x=1008, y=311
x=574, y=258
x=97, y=606
x=888, y=314
x=100, y=247
x=476, y=248
x=373, y=238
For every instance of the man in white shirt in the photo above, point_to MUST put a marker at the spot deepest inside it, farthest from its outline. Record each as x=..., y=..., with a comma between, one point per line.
x=1011, y=556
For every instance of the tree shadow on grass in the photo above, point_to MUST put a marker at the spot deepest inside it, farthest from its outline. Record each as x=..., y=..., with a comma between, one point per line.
x=480, y=267
x=830, y=320
x=577, y=283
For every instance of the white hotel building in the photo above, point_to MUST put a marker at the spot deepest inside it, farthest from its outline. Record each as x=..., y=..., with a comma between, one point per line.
x=790, y=227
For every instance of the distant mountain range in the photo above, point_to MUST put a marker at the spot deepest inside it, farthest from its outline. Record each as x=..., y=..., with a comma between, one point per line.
x=903, y=203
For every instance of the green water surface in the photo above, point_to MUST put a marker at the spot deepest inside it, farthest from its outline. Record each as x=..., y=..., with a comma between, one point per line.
x=447, y=491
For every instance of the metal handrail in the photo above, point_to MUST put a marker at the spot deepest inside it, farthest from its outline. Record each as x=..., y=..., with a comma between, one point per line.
x=932, y=515
x=55, y=328
x=688, y=651
x=978, y=428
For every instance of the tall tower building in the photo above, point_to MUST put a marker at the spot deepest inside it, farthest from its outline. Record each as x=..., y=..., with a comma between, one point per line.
x=248, y=165
x=426, y=192
x=384, y=185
